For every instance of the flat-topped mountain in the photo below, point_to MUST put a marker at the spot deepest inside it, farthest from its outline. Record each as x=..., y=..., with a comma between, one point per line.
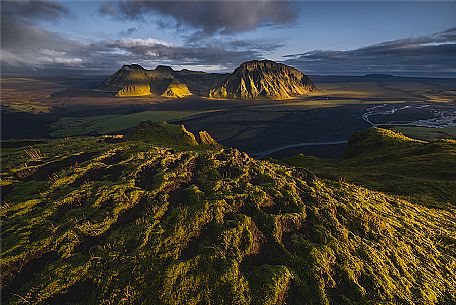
x=264, y=79
x=134, y=80
x=251, y=80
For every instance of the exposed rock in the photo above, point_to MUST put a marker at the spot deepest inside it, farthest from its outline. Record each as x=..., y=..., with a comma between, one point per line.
x=134, y=90
x=175, y=89
x=134, y=80
x=264, y=79
x=252, y=80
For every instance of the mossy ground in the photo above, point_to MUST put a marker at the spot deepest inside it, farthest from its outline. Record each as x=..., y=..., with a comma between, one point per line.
x=380, y=159
x=85, y=221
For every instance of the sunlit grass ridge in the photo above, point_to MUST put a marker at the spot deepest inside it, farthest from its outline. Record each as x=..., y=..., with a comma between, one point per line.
x=150, y=222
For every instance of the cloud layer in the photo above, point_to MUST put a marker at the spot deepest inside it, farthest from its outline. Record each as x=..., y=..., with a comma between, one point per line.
x=433, y=53
x=222, y=17
x=27, y=46
x=34, y=9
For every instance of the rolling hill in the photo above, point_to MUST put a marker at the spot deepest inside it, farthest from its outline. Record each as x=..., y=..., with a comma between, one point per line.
x=387, y=161
x=163, y=216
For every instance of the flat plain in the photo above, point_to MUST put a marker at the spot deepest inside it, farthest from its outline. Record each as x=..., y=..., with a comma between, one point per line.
x=59, y=107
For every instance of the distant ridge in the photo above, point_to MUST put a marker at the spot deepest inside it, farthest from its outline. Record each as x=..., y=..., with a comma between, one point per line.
x=264, y=79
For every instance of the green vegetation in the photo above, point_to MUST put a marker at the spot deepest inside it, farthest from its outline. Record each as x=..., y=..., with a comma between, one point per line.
x=426, y=133
x=387, y=161
x=29, y=107
x=147, y=221
x=74, y=126
x=171, y=135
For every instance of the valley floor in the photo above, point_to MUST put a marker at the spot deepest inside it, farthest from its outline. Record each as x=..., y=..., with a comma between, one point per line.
x=49, y=108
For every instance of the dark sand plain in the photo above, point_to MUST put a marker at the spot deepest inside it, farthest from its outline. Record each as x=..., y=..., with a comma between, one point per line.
x=40, y=108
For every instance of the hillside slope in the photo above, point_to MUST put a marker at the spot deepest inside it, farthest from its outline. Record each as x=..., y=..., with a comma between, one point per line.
x=390, y=162
x=264, y=79
x=148, y=221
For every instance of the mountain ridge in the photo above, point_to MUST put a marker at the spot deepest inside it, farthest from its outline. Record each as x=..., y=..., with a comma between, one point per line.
x=134, y=80
x=255, y=79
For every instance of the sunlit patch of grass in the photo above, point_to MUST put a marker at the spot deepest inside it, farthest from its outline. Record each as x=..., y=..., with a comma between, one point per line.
x=112, y=123
x=34, y=153
x=427, y=133
x=29, y=107
x=388, y=161
x=147, y=222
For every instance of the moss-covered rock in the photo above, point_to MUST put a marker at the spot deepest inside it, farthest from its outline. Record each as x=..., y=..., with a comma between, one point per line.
x=137, y=222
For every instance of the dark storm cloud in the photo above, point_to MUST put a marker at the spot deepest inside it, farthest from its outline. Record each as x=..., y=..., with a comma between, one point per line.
x=35, y=49
x=210, y=17
x=433, y=53
x=26, y=45
x=49, y=10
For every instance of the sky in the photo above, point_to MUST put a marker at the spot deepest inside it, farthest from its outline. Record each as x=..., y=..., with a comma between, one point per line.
x=324, y=37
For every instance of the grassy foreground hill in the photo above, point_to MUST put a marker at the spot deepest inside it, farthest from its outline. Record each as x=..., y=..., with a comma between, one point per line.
x=387, y=161
x=150, y=221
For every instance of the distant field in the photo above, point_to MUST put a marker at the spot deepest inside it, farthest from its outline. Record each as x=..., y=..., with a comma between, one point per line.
x=73, y=126
x=426, y=133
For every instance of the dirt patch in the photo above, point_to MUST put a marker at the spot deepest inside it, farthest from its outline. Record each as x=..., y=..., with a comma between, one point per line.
x=114, y=140
x=271, y=208
x=6, y=190
x=229, y=171
x=177, y=197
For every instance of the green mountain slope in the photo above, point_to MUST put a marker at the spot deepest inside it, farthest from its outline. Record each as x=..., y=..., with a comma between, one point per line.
x=387, y=161
x=91, y=221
